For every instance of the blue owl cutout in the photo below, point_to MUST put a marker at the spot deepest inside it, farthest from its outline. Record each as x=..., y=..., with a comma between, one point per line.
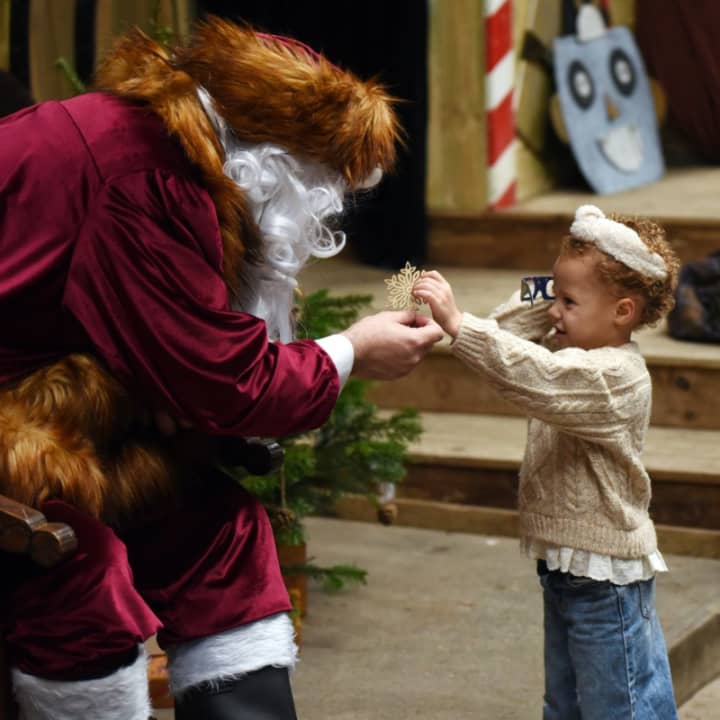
x=606, y=105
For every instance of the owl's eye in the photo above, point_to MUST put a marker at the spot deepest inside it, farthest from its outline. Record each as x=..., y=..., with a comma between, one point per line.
x=622, y=71
x=581, y=84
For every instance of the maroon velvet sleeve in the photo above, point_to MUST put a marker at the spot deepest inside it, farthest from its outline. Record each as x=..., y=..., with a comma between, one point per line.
x=145, y=284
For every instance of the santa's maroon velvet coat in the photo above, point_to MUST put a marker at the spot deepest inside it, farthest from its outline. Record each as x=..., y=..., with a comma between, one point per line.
x=109, y=244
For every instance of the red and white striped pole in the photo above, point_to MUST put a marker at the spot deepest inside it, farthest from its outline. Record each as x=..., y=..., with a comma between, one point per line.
x=499, y=111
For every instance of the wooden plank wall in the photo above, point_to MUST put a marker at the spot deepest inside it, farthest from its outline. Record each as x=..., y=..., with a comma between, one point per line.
x=52, y=34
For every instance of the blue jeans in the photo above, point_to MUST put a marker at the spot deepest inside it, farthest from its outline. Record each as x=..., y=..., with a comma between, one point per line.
x=605, y=656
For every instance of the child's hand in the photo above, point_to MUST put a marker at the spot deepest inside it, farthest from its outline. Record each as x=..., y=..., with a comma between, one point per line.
x=435, y=290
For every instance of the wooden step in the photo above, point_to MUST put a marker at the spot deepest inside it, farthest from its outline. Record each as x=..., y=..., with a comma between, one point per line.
x=472, y=459
x=527, y=235
x=455, y=517
x=686, y=375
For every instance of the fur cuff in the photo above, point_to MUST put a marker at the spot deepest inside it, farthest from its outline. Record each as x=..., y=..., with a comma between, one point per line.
x=120, y=696
x=231, y=654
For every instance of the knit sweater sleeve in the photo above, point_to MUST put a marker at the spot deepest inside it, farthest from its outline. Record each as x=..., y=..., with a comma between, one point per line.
x=526, y=320
x=587, y=393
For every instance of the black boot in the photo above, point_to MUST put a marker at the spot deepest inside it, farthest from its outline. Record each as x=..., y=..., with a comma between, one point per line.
x=261, y=695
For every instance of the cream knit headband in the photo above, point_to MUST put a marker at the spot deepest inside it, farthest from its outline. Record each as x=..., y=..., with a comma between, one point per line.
x=617, y=240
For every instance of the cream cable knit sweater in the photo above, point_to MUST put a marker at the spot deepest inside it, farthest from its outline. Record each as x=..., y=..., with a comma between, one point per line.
x=582, y=481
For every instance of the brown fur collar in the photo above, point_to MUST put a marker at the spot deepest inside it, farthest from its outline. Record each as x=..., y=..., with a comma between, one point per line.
x=70, y=431
x=140, y=68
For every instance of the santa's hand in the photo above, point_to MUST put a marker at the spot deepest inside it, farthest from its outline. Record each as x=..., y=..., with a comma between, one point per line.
x=435, y=290
x=388, y=345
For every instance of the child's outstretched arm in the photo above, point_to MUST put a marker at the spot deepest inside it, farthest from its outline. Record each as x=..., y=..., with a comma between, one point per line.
x=436, y=291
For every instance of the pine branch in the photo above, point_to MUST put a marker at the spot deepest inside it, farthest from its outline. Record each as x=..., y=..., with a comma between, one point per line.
x=356, y=450
x=320, y=315
x=72, y=77
x=333, y=578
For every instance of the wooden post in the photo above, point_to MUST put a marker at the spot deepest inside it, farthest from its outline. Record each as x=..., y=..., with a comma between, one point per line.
x=457, y=147
x=52, y=35
x=4, y=34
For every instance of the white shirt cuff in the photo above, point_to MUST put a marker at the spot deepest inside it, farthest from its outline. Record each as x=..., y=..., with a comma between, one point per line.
x=341, y=352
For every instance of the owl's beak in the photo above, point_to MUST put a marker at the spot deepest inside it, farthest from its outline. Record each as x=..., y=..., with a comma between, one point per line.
x=611, y=108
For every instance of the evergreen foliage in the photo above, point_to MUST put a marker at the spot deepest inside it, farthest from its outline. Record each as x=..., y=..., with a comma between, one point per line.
x=355, y=451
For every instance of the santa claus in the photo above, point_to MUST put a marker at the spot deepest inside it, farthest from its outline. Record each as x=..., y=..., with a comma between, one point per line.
x=150, y=238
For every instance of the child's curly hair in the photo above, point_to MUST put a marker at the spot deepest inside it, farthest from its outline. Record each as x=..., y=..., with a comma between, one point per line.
x=658, y=295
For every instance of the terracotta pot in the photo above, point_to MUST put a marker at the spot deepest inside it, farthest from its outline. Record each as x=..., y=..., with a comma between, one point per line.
x=296, y=583
x=159, y=681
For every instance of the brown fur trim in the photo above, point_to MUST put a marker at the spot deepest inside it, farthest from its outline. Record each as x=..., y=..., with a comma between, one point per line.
x=139, y=68
x=66, y=432
x=274, y=91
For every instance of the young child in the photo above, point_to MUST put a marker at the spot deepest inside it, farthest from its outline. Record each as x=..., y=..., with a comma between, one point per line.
x=570, y=364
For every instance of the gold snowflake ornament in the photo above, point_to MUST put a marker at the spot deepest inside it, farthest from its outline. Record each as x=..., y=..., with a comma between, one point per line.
x=400, y=287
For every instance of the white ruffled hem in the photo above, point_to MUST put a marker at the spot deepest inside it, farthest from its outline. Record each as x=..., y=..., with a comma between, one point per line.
x=582, y=563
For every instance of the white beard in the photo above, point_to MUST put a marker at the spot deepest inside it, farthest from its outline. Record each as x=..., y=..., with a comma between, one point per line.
x=290, y=200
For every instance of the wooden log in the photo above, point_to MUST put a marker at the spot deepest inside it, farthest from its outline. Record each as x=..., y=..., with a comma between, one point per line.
x=159, y=681
x=24, y=530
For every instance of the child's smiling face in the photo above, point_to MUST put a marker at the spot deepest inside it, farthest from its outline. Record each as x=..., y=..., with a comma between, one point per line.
x=584, y=313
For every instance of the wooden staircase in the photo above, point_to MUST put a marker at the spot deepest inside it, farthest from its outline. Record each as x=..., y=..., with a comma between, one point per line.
x=463, y=471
